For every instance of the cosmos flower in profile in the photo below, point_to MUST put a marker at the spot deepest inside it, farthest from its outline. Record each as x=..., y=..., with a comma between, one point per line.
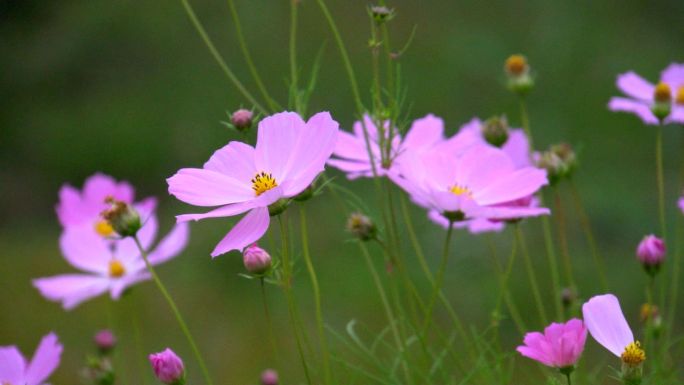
x=289, y=155
x=14, y=368
x=560, y=346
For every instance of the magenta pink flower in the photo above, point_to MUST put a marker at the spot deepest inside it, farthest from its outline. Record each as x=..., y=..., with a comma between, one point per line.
x=560, y=346
x=651, y=250
x=108, y=265
x=168, y=367
x=640, y=94
x=606, y=323
x=289, y=154
x=14, y=369
x=256, y=259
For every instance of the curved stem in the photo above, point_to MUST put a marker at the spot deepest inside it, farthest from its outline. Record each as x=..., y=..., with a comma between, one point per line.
x=531, y=275
x=440, y=279
x=272, y=104
x=219, y=59
x=176, y=312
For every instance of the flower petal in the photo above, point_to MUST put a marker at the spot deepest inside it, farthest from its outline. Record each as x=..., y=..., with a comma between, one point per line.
x=641, y=109
x=235, y=160
x=673, y=75
x=424, y=133
x=71, y=289
x=12, y=365
x=119, y=286
x=262, y=200
x=276, y=138
x=45, y=360
x=202, y=187
x=249, y=230
x=85, y=250
x=171, y=245
x=518, y=184
x=606, y=323
x=635, y=86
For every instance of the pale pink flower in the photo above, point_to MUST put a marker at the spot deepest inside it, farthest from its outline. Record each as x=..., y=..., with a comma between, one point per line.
x=560, y=346
x=108, y=266
x=289, y=155
x=14, y=369
x=167, y=366
x=681, y=204
x=606, y=323
x=640, y=94
x=256, y=259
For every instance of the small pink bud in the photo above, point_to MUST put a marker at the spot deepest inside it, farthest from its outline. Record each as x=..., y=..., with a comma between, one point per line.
x=269, y=377
x=256, y=259
x=651, y=253
x=242, y=119
x=168, y=367
x=105, y=340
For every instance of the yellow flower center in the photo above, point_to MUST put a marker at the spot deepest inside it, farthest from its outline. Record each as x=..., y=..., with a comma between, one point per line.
x=662, y=93
x=679, y=98
x=460, y=190
x=516, y=65
x=103, y=228
x=633, y=354
x=263, y=182
x=116, y=269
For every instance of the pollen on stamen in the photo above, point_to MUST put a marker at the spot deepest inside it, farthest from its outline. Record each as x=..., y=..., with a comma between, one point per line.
x=633, y=354
x=263, y=182
x=103, y=228
x=460, y=190
x=662, y=93
x=679, y=98
x=116, y=269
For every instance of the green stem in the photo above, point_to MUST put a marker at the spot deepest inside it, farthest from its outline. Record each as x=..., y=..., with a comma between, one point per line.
x=562, y=236
x=661, y=181
x=531, y=275
x=567, y=375
x=219, y=59
x=272, y=104
x=317, y=297
x=440, y=279
x=293, y=55
x=503, y=278
x=524, y=117
x=269, y=321
x=176, y=312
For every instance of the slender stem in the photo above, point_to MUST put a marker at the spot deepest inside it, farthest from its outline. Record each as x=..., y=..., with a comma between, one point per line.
x=661, y=181
x=219, y=59
x=524, y=117
x=269, y=321
x=567, y=375
x=504, y=294
x=272, y=104
x=562, y=236
x=440, y=279
x=531, y=275
x=294, y=87
x=317, y=296
x=176, y=312
x=589, y=234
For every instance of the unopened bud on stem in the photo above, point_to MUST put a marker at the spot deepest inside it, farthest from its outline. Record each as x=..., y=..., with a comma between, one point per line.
x=122, y=217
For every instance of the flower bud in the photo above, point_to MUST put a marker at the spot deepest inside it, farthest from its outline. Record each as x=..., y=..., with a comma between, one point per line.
x=495, y=130
x=662, y=97
x=105, y=340
x=361, y=226
x=651, y=253
x=122, y=217
x=241, y=119
x=98, y=370
x=381, y=14
x=518, y=71
x=559, y=161
x=256, y=259
x=269, y=377
x=168, y=367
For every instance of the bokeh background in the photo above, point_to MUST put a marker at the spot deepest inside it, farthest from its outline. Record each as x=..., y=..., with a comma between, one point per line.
x=128, y=88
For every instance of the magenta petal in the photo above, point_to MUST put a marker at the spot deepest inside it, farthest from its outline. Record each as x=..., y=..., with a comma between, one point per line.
x=45, y=360
x=202, y=187
x=247, y=231
x=12, y=365
x=641, y=109
x=606, y=323
x=635, y=86
x=171, y=245
x=71, y=289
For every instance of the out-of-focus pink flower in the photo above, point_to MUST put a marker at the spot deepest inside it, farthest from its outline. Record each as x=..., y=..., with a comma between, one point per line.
x=641, y=99
x=681, y=204
x=109, y=266
x=168, y=367
x=15, y=370
x=269, y=377
x=606, y=323
x=560, y=346
x=289, y=154
x=651, y=251
x=256, y=259
x=479, y=183
x=105, y=340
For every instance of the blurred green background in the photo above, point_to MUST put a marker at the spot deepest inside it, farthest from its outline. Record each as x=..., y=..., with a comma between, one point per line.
x=128, y=88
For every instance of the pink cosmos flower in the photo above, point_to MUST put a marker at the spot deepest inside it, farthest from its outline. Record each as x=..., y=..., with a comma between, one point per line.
x=606, y=323
x=82, y=208
x=560, y=346
x=289, y=154
x=14, y=370
x=640, y=94
x=480, y=183
x=167, y=366
x=651, y=250
x=108, y=266
x=351, y=152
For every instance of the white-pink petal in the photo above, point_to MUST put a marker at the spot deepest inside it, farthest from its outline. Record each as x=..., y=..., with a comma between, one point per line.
x=45, y=360
x=635, y=86
x=202, y=187
x=607, y=324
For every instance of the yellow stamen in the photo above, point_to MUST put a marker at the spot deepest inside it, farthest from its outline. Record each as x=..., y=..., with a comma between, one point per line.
x=460, y=190
x=116, y=269
x=679, y=98
x=662, y=93
x=516, y=65
x=633, y=354
x=263, y=182
x=103, y=228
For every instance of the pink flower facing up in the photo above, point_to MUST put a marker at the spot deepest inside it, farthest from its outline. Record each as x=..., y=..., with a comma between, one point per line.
x=560, y=346
x=108, y=265
x=14, y=370
x=643, y=95
x=289, y=154
x=651, y=253
x=606, y=323
x=168, y=367
x=481, y=183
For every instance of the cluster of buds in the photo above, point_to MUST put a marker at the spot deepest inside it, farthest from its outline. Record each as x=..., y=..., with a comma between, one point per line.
x=257, y=260
x=361, y=227
x=662, y=101
x=168, y=367
x=495, y=130
x=99, y=369
x=559, y=161
x=518, y=71
x=122, y=217
x=651, y=253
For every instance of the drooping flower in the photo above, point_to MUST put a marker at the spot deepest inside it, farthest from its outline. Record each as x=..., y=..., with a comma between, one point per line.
x=108, y=266
x=651, y=253
x=647, y=100
x=14, y=370
x=607, y=324
x=168, y=367
x=289, y=155
x=560, y=346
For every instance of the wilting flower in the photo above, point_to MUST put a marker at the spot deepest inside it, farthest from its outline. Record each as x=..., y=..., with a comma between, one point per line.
x=289, y=154
x=168, y=367
x=108, y=267
x=560, y=346
x=256, y=259
x=648, y=101
x=481, y=183
x=14, y=369
x=651, y=253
